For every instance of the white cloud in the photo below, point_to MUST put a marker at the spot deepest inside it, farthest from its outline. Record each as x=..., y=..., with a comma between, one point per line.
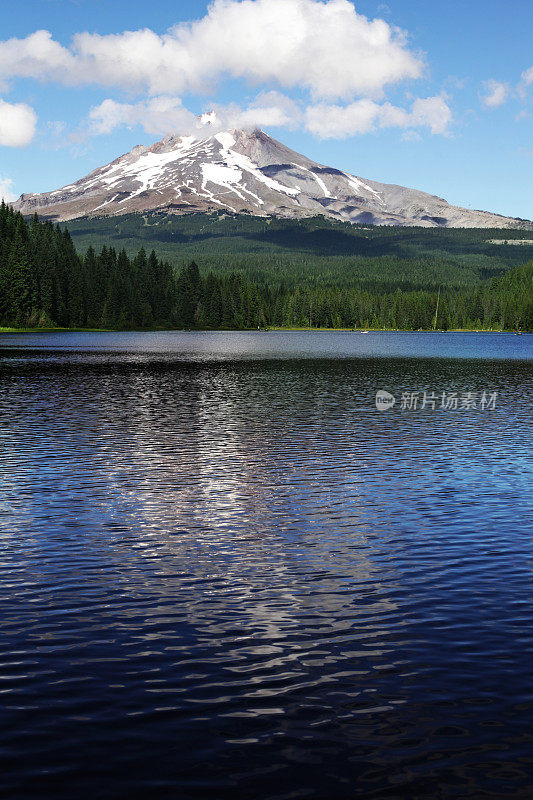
x=527, y=76
x=323, y=46
x=365, y=116
x=36, y=56
x=17, y=124
x=6, y=193
x=335, y=122
x=158, y=115
x=268, y=109
x=164, y=114
x=496, y=93
x=433, y=113
x=526, y=79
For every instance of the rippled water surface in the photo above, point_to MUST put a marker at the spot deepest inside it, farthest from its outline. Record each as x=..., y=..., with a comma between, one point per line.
x=225, y=574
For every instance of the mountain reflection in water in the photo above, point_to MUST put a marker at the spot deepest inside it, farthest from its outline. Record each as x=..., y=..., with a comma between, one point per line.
x=231, y=576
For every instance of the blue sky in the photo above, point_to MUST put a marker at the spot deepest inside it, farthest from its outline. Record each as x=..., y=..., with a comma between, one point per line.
x=433, y=96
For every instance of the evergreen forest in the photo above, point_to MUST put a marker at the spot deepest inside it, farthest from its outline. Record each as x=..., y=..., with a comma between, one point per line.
x=392, y=279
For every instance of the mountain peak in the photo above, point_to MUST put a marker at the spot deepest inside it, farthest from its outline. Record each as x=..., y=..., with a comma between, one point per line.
x=243, y=171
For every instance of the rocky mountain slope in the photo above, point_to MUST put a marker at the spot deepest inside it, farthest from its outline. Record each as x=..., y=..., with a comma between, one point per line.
x=244, y=171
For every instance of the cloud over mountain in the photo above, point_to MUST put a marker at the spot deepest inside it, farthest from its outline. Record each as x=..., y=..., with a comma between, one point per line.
x=338, y=62
x=364, y=116
x=164, y=114
x=326, y=48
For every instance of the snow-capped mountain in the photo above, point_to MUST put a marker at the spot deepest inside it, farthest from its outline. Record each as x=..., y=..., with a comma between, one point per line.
x=244, y=171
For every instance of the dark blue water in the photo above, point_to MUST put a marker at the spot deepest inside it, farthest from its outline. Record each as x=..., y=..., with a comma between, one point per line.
x=225, y=574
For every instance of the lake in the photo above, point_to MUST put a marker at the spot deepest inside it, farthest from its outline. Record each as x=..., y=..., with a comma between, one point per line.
x=225, y=573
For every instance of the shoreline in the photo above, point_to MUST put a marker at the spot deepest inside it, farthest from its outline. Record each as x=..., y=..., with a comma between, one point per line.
x=5, y=330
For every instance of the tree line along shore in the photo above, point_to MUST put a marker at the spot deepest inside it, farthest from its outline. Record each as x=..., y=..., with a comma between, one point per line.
x=45, y=283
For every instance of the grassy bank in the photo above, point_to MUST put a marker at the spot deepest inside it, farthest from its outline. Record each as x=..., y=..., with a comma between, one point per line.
x=54, y=330
x=252, y=330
